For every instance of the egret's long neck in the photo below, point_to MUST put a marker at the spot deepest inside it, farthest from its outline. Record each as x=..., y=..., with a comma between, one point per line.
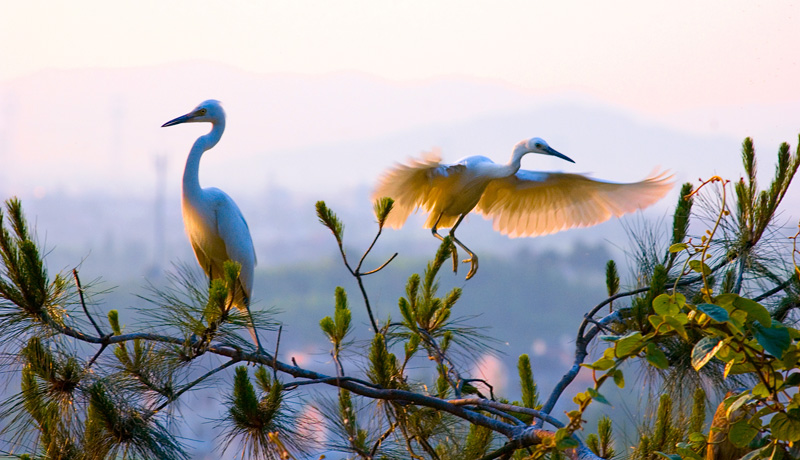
x=191, y=179
x=515, y=162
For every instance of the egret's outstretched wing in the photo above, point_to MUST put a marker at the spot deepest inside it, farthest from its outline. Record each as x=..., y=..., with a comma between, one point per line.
x=538, y=203
x=417, y=184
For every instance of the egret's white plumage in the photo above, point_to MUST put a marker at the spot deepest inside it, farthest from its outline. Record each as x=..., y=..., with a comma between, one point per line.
x=214, y=224
x=520, y=202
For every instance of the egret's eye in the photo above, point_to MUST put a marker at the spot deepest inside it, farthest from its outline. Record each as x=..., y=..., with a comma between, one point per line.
x=537, y=145
x=201, y=112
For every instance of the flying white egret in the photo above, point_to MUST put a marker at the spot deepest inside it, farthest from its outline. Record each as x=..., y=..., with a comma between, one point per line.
x=215, y=225
x=520, y=202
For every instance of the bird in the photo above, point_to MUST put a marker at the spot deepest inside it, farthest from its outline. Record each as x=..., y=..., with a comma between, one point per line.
x=520, y=202
x=213, y=222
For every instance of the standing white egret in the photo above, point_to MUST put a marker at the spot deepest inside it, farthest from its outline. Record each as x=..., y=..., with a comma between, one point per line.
x=520, y=202
x=215, y=225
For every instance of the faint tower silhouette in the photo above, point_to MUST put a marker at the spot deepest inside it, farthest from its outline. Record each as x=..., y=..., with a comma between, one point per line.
x=159, y=217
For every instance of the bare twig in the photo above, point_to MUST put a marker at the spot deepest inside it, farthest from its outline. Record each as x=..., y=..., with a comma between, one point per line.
x=83, y=301
x=189, y=386
x=275, y=360
x=380, y=440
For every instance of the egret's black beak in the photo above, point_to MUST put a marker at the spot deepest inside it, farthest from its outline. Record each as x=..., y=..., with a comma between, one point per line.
x=553, y=152
x=179, y=120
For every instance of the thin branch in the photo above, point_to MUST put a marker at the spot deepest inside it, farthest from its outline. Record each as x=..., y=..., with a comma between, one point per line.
x=96, y=355
x=774, y=290
x=293, y=385
x=275, y=360
x=83, y=301
x=366, y=302
x=581, y=353
x=382, y=266
x=509, y=408
x=380, y=440
x=188, y=386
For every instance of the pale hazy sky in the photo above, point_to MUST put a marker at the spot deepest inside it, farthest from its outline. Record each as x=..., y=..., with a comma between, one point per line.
x=656, y=57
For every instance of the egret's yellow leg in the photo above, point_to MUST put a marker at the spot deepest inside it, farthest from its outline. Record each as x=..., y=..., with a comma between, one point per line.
x=441, y=238
x=473, y=259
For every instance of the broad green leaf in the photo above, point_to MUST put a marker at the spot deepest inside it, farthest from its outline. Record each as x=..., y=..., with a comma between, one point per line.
x=754, y=309
x=597, y=396
x=656, y=357
x=688, y=454
x=704, y=350
x=761, y=391
x=699, y=267
x=741, y=368
x=678, y=247
x=714, y=312
x=741, y=433
x=743, y=399
x=665, y=304
x=784, y=427
x=793, y=379
x=725, y=300
x=657, y=321
x=602, y=364
x=628, y=345
x=567, y=443
x=677, y=323
x=697, y=437
x=619, y=378
x=775, y=340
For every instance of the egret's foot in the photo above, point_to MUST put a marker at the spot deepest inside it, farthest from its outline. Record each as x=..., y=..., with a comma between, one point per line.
x=473, y=267
x=455, y=259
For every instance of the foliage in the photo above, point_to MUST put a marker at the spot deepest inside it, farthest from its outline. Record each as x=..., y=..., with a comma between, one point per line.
x=714, y=311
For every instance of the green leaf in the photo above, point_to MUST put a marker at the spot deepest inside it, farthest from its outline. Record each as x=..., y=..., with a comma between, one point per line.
x=601, y=364
x=677, y=323
x=678, y=247
x=743, y=399
x=628, y=345
x=699, y=267
x=666, y=304
x=567, y=443
x=697, y=437
x=597, y=396
x=793, y=379
x=784, y=427
x=687, y=453
x=704, y=350
x=754, y=309
x=714, y=312
x=656, y=357
x=619, y=378
x=775, y=340
x=741, y=433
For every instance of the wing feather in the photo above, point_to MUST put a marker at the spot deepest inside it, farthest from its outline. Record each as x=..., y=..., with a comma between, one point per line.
x=419, y=184
x=538, y=203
